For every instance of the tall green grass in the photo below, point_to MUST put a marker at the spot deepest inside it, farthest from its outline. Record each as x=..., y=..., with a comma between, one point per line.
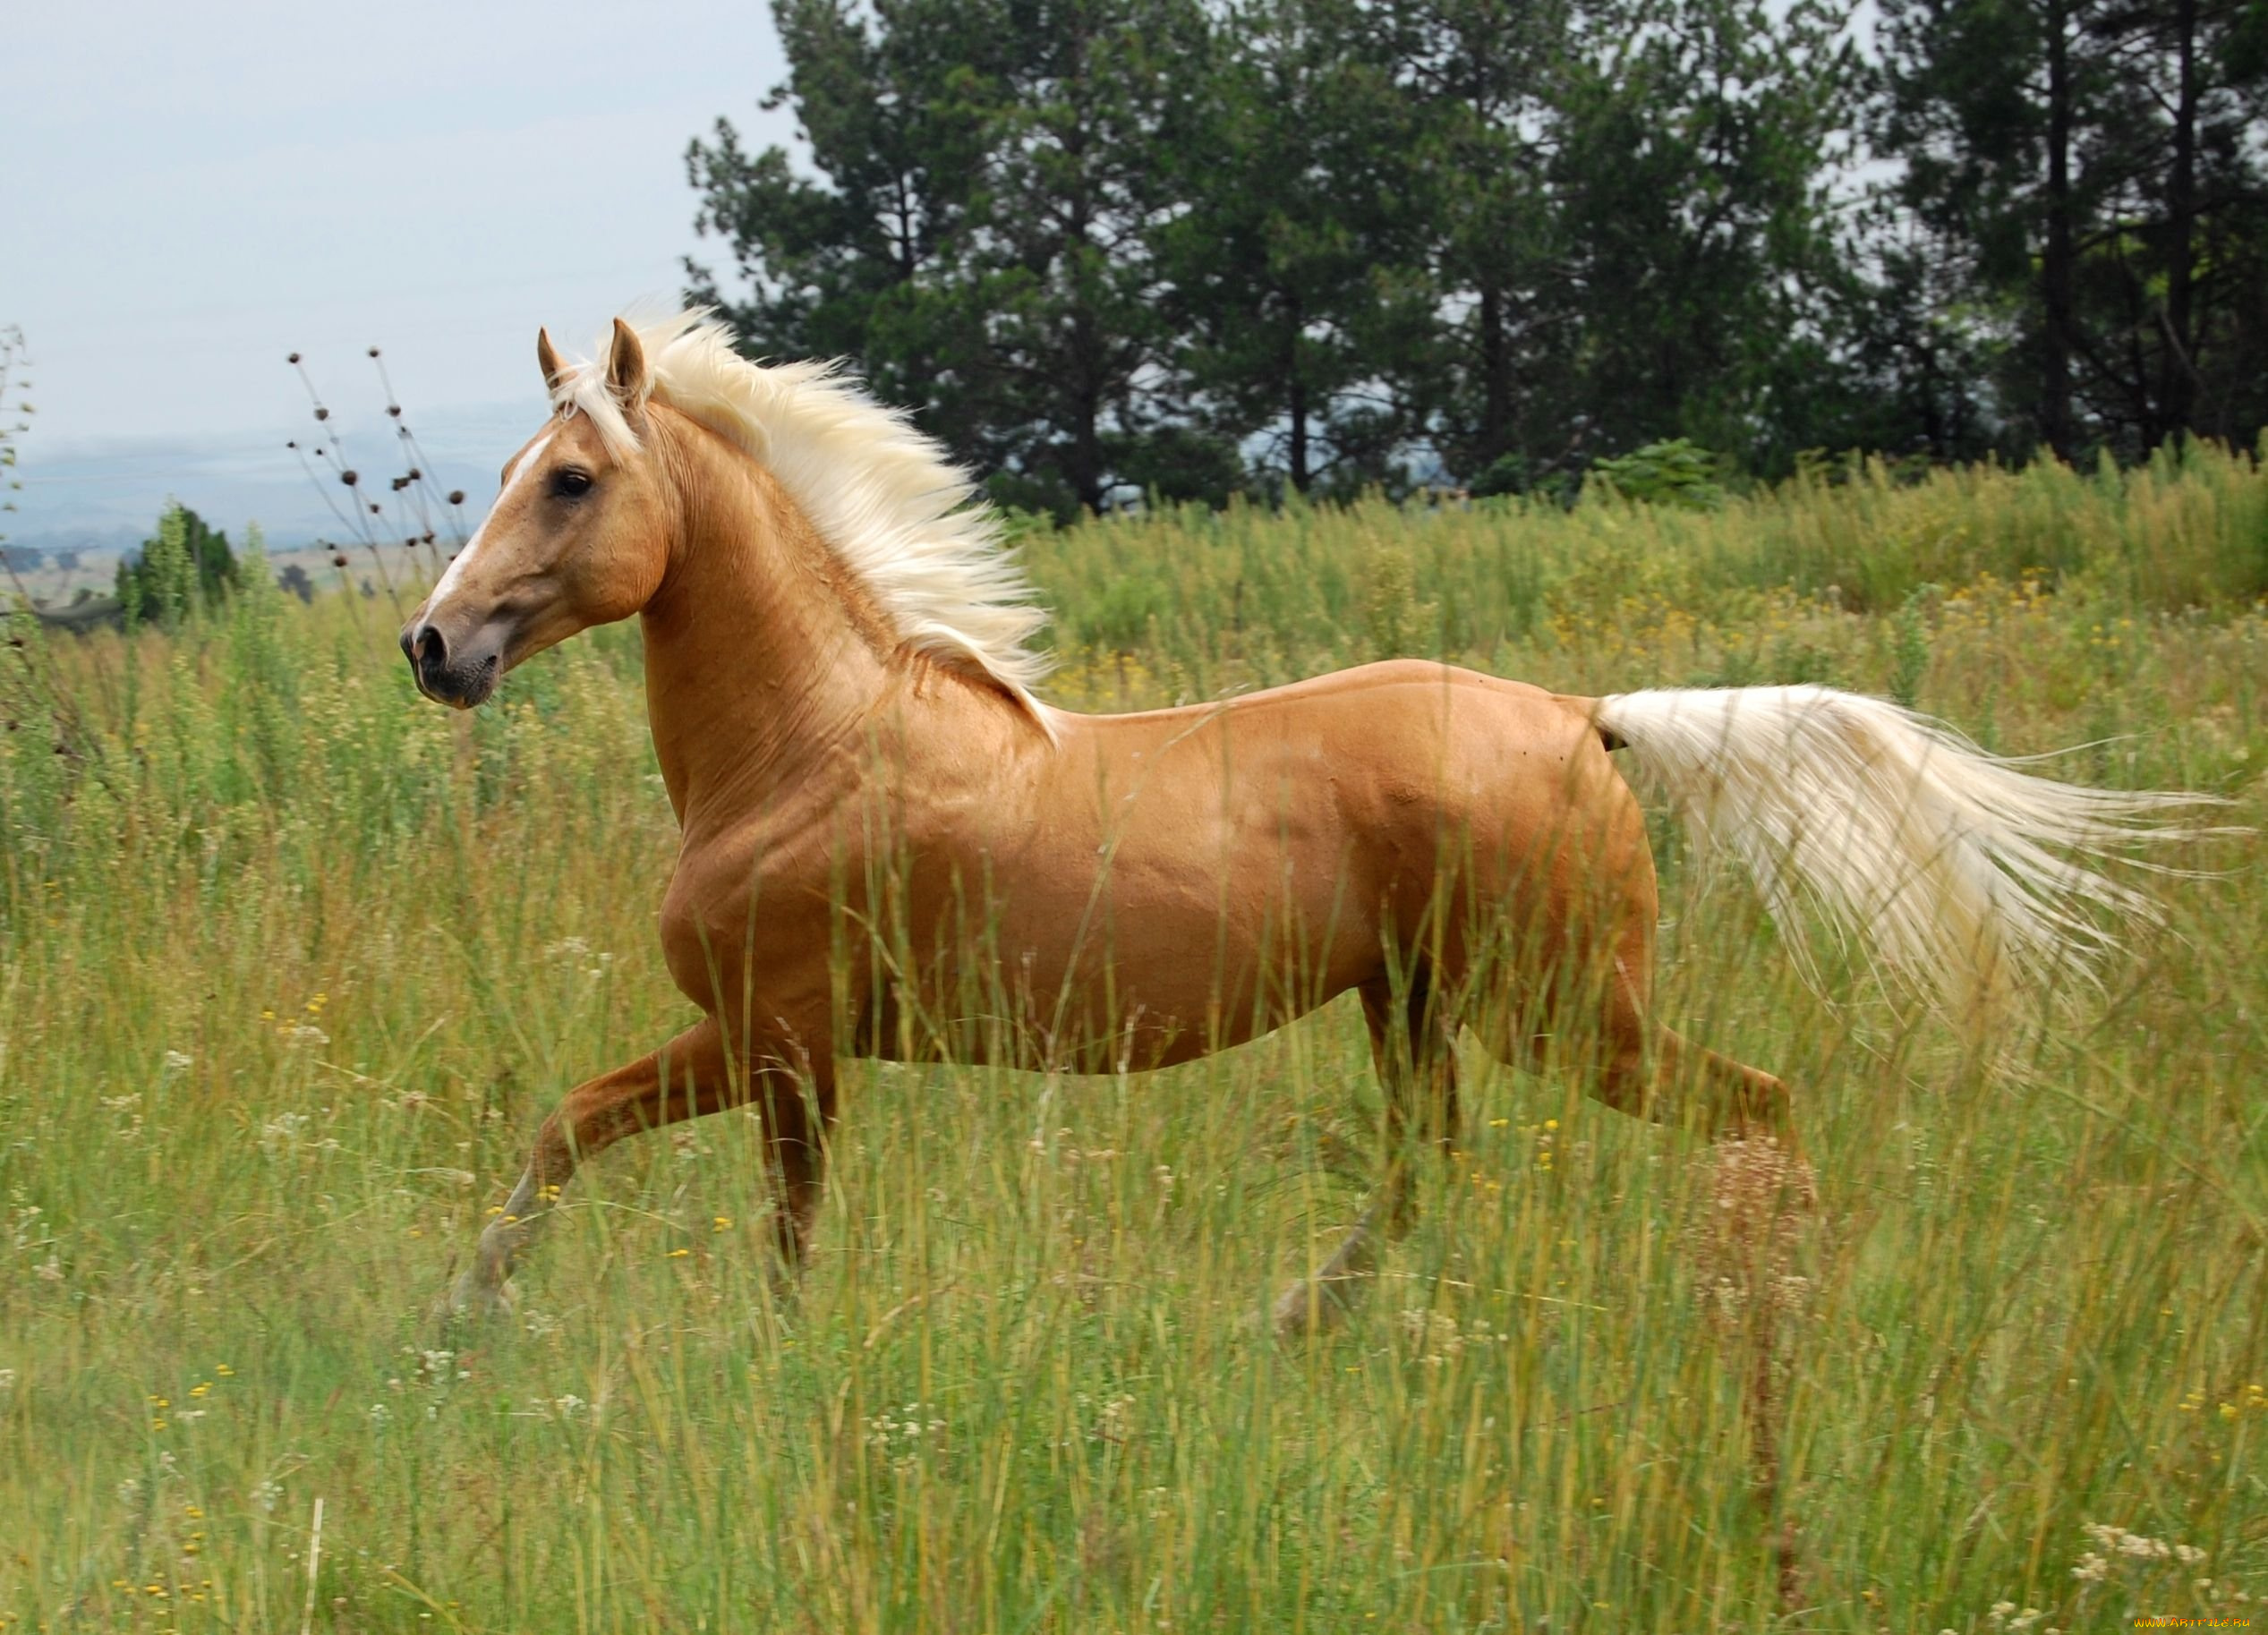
x=1244, y=595
x=294, y=962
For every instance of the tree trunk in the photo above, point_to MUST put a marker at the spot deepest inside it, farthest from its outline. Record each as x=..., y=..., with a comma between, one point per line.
x=1086, y=413
x=1086, y=346
x=1496, y=379
x=1301, y=475
x=2177, y=391
x=1088, y=371
x=2056, y=263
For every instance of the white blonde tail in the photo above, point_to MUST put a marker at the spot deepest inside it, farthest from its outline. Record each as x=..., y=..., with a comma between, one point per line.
x=1967, y=874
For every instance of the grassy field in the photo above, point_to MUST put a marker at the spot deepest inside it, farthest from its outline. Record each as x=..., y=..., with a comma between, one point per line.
x=294, y=962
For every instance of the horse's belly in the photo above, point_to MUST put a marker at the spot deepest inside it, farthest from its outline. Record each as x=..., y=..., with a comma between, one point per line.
x=1144, y=957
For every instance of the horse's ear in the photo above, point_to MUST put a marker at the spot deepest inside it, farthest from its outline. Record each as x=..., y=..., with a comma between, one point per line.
x=625, y=368
x=547, y=356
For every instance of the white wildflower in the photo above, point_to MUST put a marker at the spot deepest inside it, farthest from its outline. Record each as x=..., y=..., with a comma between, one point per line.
x=1435, y=1334
x=283, y=1129
x=901, y=1440
x=1115, y=1423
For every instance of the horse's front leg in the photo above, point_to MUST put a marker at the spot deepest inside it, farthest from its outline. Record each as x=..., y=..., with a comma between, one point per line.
x=690, y=1076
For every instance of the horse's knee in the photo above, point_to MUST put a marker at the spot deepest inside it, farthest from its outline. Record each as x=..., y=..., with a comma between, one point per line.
x=1677, y=1074
x=799, y=1169
x=1758, y=1101
x=1628, y=1082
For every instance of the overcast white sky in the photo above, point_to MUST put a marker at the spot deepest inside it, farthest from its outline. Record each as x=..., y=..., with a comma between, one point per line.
x=189, y=192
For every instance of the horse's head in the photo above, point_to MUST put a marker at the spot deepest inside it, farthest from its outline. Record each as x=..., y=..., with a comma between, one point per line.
x=579, y=536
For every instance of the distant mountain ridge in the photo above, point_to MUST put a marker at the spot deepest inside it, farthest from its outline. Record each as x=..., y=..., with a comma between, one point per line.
x=101, y=498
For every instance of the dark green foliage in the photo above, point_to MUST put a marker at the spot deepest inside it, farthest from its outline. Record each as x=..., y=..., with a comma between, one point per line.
x=2087, y=176
x=993, y=177
x=1910, y=646
x=1298, y=276
x=1117, y=249
x=1682, y=257
x=1184, y=463
x=1678, y=473
x=185, y=567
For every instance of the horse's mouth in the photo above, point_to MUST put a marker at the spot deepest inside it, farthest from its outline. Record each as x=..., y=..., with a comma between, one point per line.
x=466, y=694
x=460, y=686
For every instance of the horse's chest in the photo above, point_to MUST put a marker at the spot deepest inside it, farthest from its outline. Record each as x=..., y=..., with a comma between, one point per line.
x=744, y=922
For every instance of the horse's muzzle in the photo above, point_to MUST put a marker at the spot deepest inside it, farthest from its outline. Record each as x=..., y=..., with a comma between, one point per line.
x=460, y=674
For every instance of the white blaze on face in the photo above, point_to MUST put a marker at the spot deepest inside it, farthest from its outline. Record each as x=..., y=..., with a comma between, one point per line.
x=528, y=463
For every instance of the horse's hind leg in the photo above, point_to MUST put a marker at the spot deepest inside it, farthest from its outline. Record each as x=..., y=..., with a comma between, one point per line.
x=1649, y=1071
x=685, y=1079
x=1413, y=1049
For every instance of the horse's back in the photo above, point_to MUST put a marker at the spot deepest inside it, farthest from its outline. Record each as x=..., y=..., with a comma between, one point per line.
x=1278, y=842
x=1388, y=751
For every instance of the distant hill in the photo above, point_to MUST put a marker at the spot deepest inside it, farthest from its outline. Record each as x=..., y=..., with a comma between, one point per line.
x=93, y=499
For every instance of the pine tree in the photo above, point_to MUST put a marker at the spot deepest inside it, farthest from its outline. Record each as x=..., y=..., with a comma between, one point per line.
x=1691, y=148
x=1297, y=269
x=977, y=240
x=896, y=102
x=1062, y=274
x=2094, y=167
x=1480, y=76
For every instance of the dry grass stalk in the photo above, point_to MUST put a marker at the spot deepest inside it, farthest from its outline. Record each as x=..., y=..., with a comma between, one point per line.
x=1758, y=1201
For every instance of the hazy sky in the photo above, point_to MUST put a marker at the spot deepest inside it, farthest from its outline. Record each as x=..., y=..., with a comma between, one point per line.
x=189, y=192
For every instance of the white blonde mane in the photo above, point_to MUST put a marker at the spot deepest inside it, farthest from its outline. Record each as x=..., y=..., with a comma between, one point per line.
x=905, y=519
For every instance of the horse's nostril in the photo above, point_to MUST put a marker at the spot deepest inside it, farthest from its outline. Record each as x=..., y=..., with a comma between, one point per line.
x=428, y=651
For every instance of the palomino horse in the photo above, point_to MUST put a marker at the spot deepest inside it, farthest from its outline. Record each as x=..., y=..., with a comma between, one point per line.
x=840, y=701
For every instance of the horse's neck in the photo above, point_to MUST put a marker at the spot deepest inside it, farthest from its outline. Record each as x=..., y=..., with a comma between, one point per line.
x=755, y=667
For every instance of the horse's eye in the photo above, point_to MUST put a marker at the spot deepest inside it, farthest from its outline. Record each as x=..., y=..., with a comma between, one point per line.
x=570, y=483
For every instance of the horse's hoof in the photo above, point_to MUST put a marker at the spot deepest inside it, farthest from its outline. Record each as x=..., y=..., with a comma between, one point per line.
x=473, y=1302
